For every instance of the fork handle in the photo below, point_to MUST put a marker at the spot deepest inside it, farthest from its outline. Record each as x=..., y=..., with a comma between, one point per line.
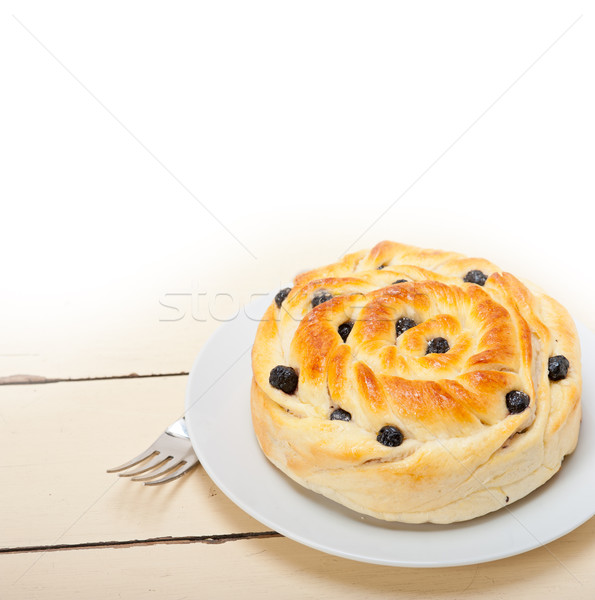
x=178, y=429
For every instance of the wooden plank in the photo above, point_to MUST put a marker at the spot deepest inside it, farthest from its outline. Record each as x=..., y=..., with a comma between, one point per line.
x=147, y=324
x=56, y=442
x=281, y=568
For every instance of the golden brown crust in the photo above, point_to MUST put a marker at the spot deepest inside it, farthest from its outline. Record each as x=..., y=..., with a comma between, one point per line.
x=463, y=453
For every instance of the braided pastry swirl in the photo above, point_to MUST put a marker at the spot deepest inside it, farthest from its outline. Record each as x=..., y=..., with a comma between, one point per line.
x=416, y=385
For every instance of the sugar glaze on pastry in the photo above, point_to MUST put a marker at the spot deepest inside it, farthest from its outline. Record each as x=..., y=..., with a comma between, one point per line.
x=416, y=385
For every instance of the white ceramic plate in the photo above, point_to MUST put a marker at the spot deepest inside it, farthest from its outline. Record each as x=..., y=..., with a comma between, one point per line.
x=220, y=426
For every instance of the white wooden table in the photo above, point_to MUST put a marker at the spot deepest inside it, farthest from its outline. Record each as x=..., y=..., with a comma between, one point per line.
x=69, y=529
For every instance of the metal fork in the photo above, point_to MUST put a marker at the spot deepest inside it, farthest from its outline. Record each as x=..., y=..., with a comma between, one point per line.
x=170, y=456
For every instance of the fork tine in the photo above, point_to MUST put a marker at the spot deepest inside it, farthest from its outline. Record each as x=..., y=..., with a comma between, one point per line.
x=149, y=452
x=162, y=470
x=157, y=462
x=175, y=474
x=178, y=467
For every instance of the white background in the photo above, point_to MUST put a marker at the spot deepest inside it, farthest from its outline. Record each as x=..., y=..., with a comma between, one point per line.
x=152, y=149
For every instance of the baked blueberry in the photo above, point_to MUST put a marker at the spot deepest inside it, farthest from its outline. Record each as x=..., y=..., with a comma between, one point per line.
x=437, y=346
x=557, y=367
x=403, y=324
x=475, y=276
x=284, y=379
x=281, y=295
x=390, y=436
x=517, y=402
x=320, y=297
x=340, y=415
x=345, y=329
x=380, y=267
x=399, y=281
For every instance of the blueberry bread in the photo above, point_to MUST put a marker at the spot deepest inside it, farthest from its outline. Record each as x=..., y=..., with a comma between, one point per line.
x=416, y=385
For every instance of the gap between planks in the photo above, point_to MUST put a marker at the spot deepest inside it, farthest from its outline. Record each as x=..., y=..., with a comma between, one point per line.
x=191, y=539
x=37, y=379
